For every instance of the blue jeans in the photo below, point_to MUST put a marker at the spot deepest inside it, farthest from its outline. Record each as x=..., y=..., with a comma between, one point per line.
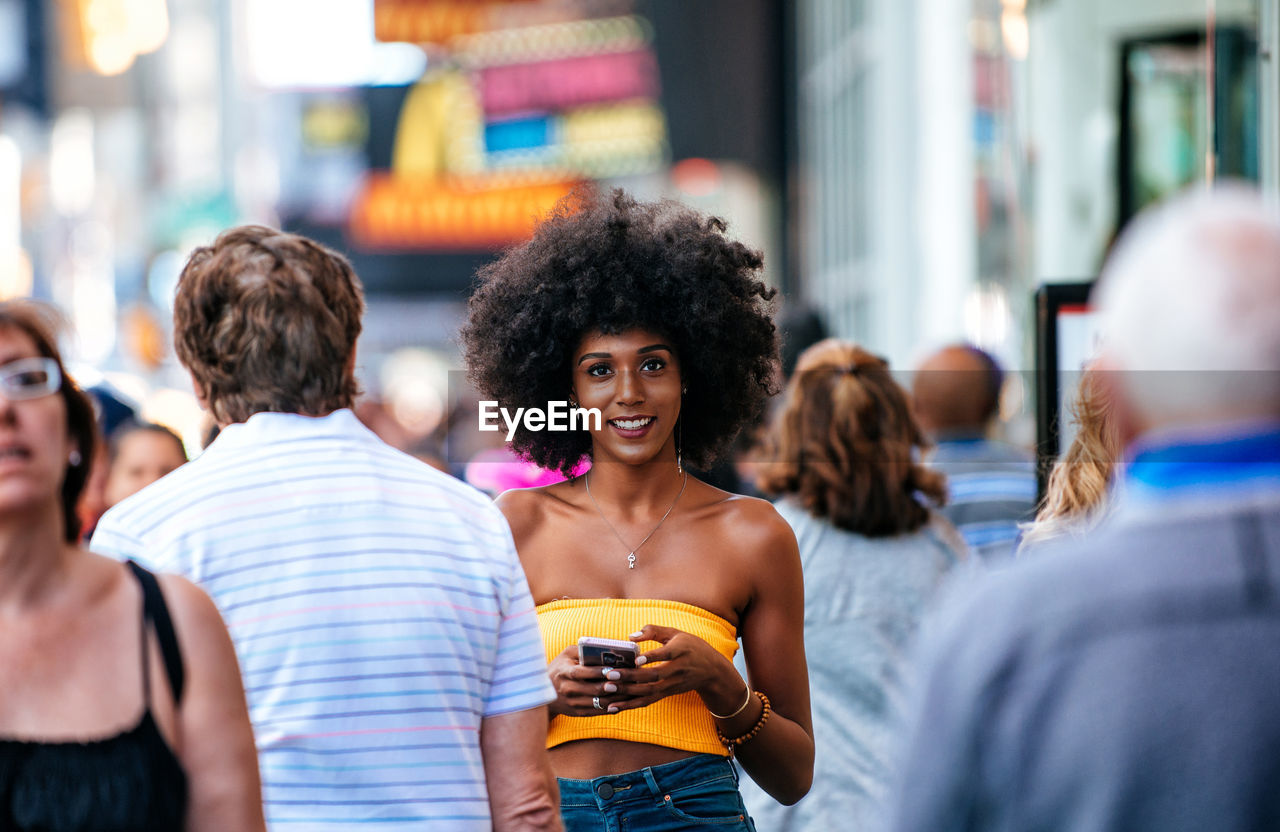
x=699, y=792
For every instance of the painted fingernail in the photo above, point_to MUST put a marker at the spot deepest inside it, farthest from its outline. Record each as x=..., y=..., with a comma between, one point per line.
x=642, y=660
x=610, y=687
x=614, y=675
x=613, y=709
x=636, y=634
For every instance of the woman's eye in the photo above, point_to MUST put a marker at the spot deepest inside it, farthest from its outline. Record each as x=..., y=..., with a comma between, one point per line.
x=598, y=370
x=653, y=364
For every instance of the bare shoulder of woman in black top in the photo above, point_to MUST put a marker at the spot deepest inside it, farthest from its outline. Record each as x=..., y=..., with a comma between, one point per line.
x=122, y=706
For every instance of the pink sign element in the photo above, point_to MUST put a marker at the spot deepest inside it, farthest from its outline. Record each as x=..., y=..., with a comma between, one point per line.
x=499, y=469
x=569, y=82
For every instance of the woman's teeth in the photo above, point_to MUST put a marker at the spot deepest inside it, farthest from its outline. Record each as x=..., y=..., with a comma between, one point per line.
x=631, y=424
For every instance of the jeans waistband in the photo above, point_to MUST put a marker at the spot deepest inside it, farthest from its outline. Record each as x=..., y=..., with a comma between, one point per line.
x=646, y=783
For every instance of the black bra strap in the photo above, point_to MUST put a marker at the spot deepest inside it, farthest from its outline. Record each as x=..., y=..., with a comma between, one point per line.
x=156, y=611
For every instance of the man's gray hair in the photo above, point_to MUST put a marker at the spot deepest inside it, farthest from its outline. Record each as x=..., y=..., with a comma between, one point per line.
x=1190, y=307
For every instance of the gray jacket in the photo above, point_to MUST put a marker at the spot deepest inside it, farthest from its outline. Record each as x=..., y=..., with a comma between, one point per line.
x=1130, y=681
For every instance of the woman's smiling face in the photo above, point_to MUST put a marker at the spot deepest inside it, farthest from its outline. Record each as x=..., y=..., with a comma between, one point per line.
x=633, y=379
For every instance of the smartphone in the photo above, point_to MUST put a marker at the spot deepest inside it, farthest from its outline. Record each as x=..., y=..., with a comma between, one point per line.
x=606, y=652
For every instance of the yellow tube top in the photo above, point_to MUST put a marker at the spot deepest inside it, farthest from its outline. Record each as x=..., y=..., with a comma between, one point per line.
x=680, y=721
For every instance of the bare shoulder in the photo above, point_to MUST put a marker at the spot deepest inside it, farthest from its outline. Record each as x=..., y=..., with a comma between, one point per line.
x=752, y=527
x=754, y=518
x=195, y=616
x=528, y=509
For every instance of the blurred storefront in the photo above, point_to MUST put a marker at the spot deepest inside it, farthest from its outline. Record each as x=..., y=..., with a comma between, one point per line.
x=951, y=155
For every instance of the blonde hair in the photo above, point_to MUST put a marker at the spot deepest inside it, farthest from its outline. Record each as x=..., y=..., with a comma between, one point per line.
x=1079, y=482
x=845, y=445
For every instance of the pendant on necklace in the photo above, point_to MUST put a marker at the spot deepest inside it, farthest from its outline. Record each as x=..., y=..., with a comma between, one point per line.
x=631, y=560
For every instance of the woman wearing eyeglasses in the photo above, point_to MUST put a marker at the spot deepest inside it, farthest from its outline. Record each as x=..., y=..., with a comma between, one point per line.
x=651, y=315
x=121, y=705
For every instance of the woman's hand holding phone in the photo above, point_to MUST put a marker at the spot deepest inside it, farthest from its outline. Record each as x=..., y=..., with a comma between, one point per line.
x=579, y=687
x=688, y=663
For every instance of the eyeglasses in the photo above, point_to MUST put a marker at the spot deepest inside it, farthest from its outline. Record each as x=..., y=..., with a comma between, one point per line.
x=29, y=378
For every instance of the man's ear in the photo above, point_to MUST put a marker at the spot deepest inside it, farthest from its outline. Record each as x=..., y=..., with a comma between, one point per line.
x=204, y=402
x=1128, y=420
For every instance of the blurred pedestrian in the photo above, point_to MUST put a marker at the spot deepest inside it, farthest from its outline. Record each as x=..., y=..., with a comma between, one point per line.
x=1078, y=495
x=649, y=314
x=1130, y=680
x=121, y=705
x=110, y=410
x=138, y=454
x=842, y=462
x=389, y=645
x=991, y=485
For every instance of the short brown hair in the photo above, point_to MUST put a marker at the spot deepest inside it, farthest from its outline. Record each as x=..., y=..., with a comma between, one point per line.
x=41, y=323
x=845, y=444
x=268, y=321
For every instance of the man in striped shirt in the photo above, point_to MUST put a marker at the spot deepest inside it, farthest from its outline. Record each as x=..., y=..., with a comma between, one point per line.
x=387, y=640
x=991, y=486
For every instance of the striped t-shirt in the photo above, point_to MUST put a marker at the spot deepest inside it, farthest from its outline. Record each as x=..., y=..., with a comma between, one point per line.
x=991, y=489
x=377, y=606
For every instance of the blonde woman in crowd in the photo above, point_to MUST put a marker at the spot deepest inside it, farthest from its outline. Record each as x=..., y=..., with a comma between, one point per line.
x=1079, y=483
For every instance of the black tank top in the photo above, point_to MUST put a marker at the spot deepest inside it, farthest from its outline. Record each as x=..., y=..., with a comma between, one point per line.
x=132, y=781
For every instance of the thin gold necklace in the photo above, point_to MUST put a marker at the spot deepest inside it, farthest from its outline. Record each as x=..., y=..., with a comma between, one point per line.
x=631, y=555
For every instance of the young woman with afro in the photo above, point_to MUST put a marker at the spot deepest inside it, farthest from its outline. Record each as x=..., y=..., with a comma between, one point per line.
x=650, y=314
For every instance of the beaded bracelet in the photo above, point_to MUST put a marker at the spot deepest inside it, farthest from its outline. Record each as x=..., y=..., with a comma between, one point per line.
x=755, y=729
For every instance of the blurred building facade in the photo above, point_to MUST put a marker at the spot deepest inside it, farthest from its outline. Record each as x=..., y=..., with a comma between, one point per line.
x=951, y=155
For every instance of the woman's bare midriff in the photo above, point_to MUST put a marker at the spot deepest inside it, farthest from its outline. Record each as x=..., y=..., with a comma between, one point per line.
x=588, y=759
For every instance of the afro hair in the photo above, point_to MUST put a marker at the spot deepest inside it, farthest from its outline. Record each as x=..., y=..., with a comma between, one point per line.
x=613, y=264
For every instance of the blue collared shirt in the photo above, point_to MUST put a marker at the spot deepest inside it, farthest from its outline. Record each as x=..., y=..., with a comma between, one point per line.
x=1228, y=464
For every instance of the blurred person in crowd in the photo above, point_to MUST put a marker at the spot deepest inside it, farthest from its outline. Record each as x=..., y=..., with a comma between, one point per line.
x=388, y=641
x=138, y=454
x=121, y=705
x=1130, y=680
x=842, y=462
x=991, y=485
x=110, y=410
x=1079, y=484
x=93, y=496
x=799, y=327
x=648, y=313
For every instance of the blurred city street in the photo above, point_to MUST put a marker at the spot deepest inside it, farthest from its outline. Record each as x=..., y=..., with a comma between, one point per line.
x=912, y=171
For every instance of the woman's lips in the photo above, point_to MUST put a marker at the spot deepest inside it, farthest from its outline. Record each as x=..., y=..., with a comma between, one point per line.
x=633, y=427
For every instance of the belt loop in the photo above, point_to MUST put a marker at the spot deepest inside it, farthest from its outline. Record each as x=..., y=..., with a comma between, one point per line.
x=733, y=767
x=653, y=783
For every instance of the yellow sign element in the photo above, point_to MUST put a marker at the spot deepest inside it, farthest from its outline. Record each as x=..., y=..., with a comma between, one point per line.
x=550, y=41
x=439, y=128
x=423, y=213
x=334, y=124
